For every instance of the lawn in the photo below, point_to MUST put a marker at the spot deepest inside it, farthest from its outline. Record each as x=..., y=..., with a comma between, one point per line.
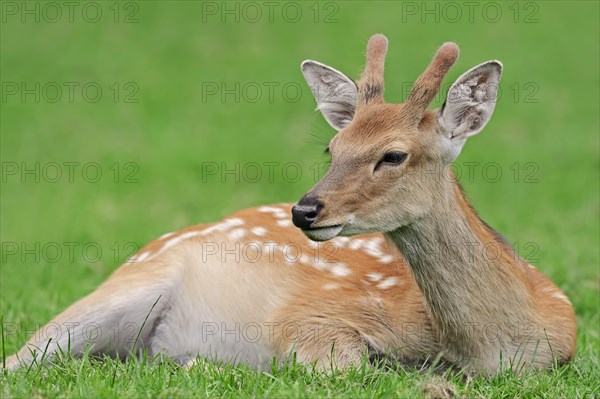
x=117, y=121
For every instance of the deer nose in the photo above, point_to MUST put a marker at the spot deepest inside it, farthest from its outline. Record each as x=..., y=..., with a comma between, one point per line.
x=306, y=211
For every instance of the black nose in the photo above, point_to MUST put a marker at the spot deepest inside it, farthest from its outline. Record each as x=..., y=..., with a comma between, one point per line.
x=306, y=211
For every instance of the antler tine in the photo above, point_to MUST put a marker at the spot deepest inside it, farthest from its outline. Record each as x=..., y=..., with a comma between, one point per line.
x=370, y=85
x=428, y=84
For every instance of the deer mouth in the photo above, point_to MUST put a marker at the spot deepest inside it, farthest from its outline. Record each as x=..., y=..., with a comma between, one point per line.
x=323, y=233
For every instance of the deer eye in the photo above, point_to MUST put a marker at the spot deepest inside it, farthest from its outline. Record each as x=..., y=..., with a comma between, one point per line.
x=392, y=158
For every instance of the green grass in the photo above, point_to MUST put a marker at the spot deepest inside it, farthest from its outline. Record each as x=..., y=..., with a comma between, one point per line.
x=110, y=378
x=547, y=116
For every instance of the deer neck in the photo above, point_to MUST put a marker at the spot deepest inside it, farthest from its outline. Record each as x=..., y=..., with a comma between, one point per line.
x=473, y=284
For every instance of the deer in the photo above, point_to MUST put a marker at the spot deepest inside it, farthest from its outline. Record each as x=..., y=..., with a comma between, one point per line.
x=384, y=256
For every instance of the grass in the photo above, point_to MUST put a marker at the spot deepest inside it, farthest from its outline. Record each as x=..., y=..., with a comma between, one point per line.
x=543, y=138
x=92, y=378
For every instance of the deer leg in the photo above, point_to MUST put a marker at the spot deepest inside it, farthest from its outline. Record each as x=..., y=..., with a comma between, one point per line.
x=116, y=319
x=314, y=339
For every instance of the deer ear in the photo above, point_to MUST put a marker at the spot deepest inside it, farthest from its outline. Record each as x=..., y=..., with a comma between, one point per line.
x=335, y=93
x=470, y=101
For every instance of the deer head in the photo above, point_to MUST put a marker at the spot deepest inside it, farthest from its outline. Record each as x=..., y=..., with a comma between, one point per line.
x=390, y=162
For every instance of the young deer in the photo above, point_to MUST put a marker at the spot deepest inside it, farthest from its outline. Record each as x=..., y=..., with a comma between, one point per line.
x=252, y=287
x=390, y=173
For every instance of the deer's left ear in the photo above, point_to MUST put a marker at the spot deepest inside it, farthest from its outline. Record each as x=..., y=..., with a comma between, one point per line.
x=470, y=101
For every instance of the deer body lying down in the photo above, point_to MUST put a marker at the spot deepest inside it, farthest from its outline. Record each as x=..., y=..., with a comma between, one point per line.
x=252, y=286
x=249, y=288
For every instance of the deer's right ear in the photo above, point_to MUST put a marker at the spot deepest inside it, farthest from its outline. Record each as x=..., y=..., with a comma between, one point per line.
x=336, y=94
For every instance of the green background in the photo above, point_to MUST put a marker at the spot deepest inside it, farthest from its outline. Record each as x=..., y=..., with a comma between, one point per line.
x=166, y=55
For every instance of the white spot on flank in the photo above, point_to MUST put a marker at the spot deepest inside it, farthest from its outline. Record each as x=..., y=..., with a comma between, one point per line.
x=177, y=239
x=562, y=297
x=304, y=259
x=165, y=235
x=372, y=247
x=341, y=241
x=173, y=241
x=330, y=286
x=284, y=223
x=321, y=265
x=355, y=243
x=223, y=226
x=277, y=212
x=236, y=234
x=341, y=270
x=140, y=258
x=259, y=231
x=386, y=259
x=374, y=276
x=387, y=283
